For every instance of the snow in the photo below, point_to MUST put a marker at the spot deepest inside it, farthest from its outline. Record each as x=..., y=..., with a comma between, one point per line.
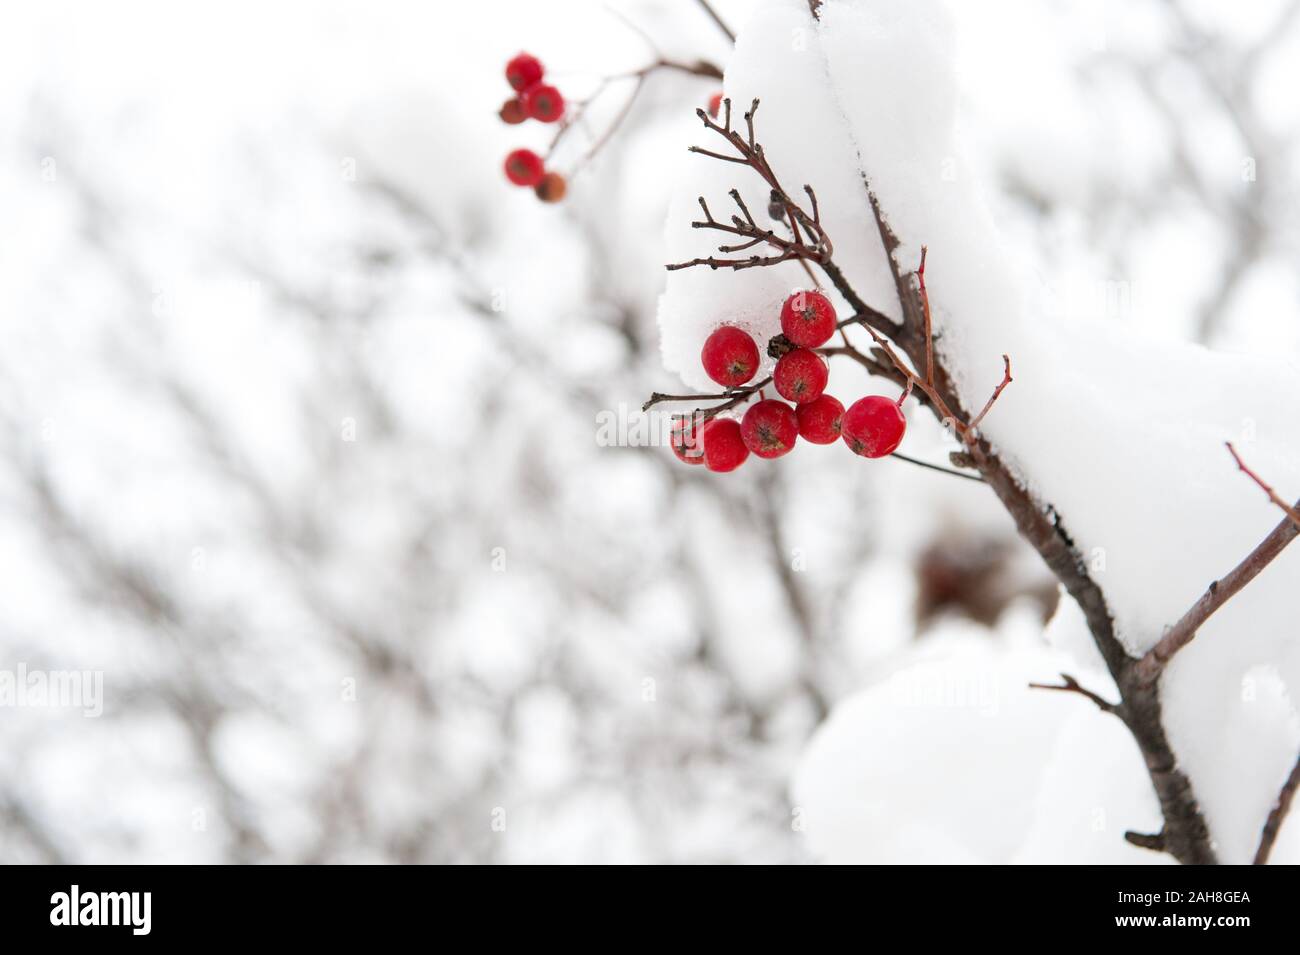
x=1121, y=434
x=941, y=762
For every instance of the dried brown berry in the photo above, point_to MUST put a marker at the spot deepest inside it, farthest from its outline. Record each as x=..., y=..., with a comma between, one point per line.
x=513, y=112
x=552, y=187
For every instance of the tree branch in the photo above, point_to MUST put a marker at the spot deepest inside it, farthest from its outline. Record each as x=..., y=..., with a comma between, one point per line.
x=718, y=21
x=1277, y=815
x=1185, y=835
x=1225, y=588
x=1287, y=509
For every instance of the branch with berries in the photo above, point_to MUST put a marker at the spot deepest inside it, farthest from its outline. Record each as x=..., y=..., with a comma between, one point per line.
x=873, y=426
x=538, y=100
x=905, y=353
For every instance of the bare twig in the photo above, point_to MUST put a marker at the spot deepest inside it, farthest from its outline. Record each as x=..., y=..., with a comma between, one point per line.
x=1277, y=815
x=729, y=398
x=718, y=21
x=578, y=111
x=1070, y=685
x=1156, y=842
x=748, y=152
x=938, y=467
x=1273, y=496
x=929, y=325
x=972, y=430
x=1225, y=588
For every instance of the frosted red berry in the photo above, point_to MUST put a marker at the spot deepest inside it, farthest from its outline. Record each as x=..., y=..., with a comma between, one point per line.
x=523, y=71
x=770, y=428
x=873, y=426
x=512, y=111
x=820, y=420
x=808, y=318
x=724, y=448
x=730, y=356
x=800, y=375
x=715, y=104
x=687, y=441
x=524, y=167
x=544, y=103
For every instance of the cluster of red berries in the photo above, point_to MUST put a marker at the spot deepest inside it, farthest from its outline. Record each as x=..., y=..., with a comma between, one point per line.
x=533, y=99
x=872, y=426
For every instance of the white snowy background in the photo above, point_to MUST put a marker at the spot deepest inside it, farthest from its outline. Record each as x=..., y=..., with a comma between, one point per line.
x=298, y=411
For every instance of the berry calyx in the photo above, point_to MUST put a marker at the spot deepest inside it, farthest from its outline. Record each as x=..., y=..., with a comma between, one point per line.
x=770, y=428
x=724, y=448
x=800, y=375
x=873, y=426
x=512, y=111
x=715, y=104
x=524, y=167
x=544, y=103
x=820, y=420
x=808, y=318
x=687, y=442
x=523, y=71
x=552, y=187
x=729, y=356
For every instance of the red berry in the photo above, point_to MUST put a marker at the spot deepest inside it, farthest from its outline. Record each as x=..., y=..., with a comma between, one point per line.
x=808, y=318
x=730, y=356
x=724, y=448
x=544, y=103
x=873, y=426
x=512, y=111
x=715, y=104
x=523, y=71
x=687, y=441
x=819, y=420
x=800, y=375
x=524, y=167
x=770, y=428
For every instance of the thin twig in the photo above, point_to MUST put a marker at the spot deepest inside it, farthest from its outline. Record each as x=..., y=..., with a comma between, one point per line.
x=972, y=430
x=1156, y=842
x=938, y=467
x=748, y=152
x=729, y=398
x=1070, y=685
x=713, y=15
x=1273, y=496
x=1277, y=815
x=929, y=326
x=1222, y=590
x=578, y=111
